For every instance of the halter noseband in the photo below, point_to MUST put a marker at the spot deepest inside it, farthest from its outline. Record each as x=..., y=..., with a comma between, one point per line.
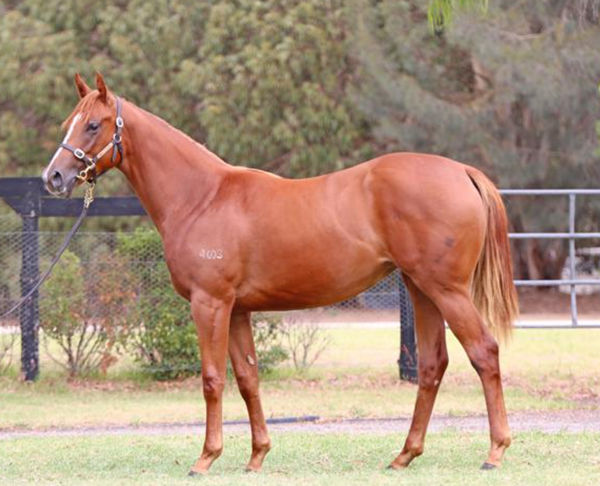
x=89, y=173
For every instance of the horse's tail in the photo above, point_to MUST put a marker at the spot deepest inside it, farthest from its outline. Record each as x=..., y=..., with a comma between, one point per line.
x=494, y=292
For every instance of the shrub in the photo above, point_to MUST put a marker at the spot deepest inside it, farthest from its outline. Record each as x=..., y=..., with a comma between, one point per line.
x=7, y=342
x=304, y=340
x=267, y=331
x=165, y=342
x=88, y=318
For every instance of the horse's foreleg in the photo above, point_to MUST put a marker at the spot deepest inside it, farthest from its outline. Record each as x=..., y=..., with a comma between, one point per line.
x=467, y=325
x=212, y=323
x=433, y=360
x=245, y=366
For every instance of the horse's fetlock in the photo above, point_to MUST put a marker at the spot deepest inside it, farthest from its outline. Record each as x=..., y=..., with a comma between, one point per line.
x=505, y=443
x=415, y=450
x=212, y=451
x=262, y=446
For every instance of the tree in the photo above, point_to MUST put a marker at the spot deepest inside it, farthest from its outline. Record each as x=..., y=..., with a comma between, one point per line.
x=509, y=92
x=273, y=78
x=272, y=93
x=140, y=47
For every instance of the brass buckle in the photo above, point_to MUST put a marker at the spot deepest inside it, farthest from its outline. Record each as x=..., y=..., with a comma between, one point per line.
x=84, y=174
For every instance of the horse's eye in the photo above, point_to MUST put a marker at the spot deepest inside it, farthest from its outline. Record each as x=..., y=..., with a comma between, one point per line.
x=92, y=126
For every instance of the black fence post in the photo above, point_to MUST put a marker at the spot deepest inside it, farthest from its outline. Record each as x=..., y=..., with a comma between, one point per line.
x=407, y=362
x=29, y=315
x=27, y=197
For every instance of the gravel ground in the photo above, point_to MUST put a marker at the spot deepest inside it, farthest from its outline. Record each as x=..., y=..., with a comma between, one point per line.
x=551, y=422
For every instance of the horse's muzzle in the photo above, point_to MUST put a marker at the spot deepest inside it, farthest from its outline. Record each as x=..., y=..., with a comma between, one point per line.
x=59, y=184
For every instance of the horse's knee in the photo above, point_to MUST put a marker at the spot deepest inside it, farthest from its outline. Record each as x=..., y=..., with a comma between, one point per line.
x=212, y=384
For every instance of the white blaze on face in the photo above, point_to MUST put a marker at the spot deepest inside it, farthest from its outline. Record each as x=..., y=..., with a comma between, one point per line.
x=65, y=140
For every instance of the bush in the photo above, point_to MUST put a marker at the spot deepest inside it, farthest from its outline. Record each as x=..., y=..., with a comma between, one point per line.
x=7, y=342
x=165, y=342
x=267, y=331
x=88, y=318
x=304, y=340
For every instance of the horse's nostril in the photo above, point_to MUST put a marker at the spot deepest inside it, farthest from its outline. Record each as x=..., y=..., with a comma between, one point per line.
x=56, y=180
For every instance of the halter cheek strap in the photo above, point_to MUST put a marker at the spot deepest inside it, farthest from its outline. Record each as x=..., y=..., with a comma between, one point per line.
x=89, y=173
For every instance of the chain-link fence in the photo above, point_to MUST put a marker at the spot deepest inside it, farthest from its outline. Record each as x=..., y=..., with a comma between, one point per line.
x=106, y=286
x=96, y=251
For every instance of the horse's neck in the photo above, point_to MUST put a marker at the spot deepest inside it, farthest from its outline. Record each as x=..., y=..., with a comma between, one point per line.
x=169, y=172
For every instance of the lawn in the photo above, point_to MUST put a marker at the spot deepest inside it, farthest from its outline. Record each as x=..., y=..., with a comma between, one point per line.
x=451, y=458
x=355, y=377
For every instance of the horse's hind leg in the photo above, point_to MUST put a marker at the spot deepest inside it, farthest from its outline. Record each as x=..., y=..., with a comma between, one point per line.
x=482, y=349
x=245, y=366
x=433, y=360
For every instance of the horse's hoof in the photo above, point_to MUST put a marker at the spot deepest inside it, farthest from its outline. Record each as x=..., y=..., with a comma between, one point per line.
x=487, y=466
x=195, y=473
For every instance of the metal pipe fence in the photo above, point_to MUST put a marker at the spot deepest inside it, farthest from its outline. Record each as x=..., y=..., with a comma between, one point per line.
x=572, y=235
x=24, y=251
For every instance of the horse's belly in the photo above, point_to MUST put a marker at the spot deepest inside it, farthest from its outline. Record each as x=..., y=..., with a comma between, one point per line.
x=310, y=286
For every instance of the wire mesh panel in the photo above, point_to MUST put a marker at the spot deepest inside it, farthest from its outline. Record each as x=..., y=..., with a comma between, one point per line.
x=380, y=297
x=106, y=285
x=10, y=269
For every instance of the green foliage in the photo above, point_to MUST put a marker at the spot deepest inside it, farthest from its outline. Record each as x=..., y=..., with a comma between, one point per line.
x=274, y=93
x=139, y=46
x=440, y=12
x=306, y=87
x=165, y=342
x=510, y=93
x=272, y=96
x=88, y=319
x=267, y=331
x=7, y=345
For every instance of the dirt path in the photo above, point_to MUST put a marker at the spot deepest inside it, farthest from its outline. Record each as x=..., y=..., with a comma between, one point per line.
x=552, y=422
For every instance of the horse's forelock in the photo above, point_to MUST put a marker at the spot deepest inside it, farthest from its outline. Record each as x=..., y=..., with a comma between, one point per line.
x=84, y=108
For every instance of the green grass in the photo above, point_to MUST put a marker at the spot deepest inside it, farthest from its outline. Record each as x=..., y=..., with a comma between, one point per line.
x=36, y=407
x=451, y=458
x=355, y=377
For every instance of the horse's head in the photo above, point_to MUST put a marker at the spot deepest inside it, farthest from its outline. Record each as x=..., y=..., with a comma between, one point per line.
x=92, y=144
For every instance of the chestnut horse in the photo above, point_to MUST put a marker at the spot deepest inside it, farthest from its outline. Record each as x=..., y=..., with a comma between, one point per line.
x=237, y=240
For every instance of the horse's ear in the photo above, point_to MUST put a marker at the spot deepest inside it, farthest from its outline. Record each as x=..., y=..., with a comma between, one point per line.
x=82, y=88
x=101, y=86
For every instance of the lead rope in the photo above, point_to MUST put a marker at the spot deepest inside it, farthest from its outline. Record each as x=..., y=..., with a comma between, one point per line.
x=88, y=198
